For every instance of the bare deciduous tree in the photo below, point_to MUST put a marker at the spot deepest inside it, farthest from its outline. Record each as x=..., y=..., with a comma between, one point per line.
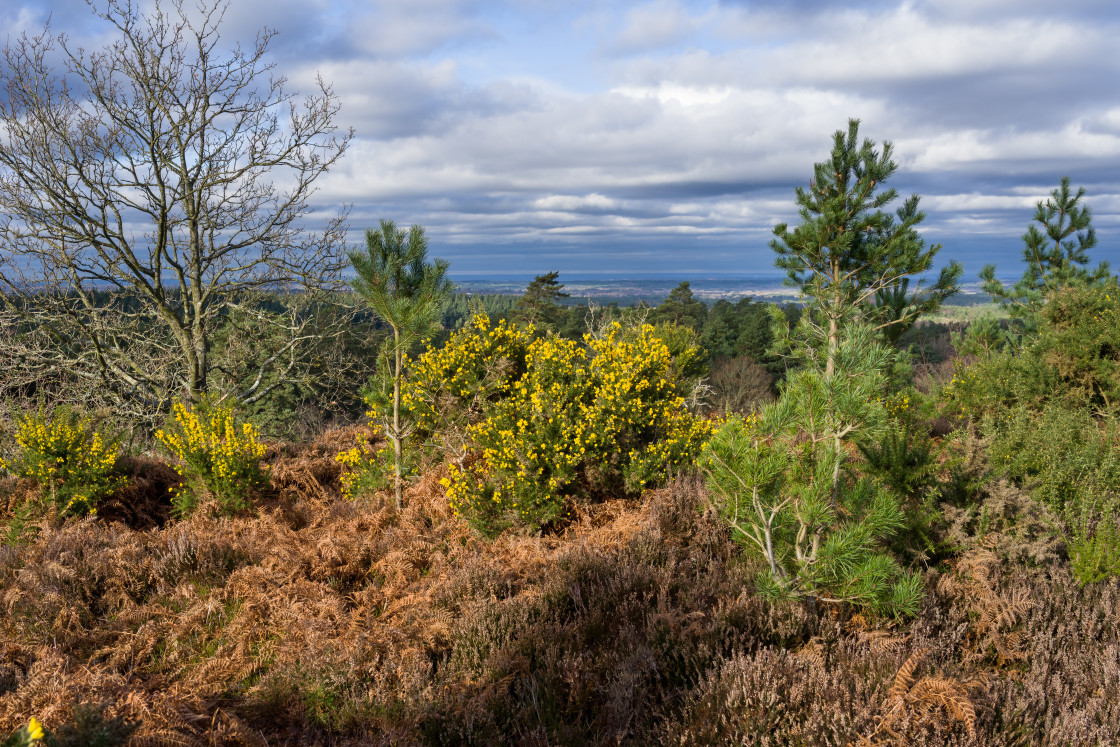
x=152, y=193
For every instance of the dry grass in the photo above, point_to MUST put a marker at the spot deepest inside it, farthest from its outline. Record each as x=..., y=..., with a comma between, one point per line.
x=320, y=621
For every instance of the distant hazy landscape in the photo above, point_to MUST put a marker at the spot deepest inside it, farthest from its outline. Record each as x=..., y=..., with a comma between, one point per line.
x=653, y=289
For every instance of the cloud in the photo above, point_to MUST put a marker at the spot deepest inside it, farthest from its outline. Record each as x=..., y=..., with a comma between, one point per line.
x=672, y=133
x=653, y=26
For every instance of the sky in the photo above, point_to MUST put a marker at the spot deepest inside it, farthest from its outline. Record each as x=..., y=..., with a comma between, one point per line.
x=635, y=138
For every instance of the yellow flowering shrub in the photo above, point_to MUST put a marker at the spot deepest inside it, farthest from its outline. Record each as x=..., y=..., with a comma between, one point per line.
x=582, y=421
x=447, y=389
x=451, y=387
x=68, y=458
x=216, y=454
x=365, y=469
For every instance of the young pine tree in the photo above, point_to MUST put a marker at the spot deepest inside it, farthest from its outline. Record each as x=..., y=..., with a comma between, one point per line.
x=781, y=483
x=775, y=480
x=407, y=292
x=848, y=250
x=1056, y=255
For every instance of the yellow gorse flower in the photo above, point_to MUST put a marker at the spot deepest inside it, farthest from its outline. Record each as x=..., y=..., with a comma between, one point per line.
x=68, y=458
x=34, y=730
x=213, y=449
x=607, y=406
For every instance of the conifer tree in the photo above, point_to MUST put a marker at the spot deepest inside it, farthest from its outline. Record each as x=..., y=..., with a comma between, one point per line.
x=538, y=302
x=848, y=249
x=681, y=307
x=407, y=292
x=1056, y=255
x=775, y=480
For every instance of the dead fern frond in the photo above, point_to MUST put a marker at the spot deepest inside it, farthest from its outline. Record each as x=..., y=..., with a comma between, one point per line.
x=164, y=738
x=931, y=696
x=904, y=680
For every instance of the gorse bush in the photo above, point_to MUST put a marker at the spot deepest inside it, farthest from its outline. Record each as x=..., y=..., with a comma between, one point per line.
x=1069, y=461
x=217, y=456
x=1073, y=362
x=452, y=387
x=365, y=469
x=446, y=390
x=72, y=463
x=579, y=422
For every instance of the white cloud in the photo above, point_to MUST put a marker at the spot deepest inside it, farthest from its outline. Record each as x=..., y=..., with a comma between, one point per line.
x=592, y=201
x=651, y=26
x=485, y=141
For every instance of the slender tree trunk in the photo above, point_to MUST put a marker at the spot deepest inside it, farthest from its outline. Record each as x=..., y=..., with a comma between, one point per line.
x=397, y=450
x=829, y=372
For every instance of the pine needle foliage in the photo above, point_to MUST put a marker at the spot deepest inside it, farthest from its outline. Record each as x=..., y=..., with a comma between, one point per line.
x=848, y=256
x=407, y=292
x=777, y=480
x=1056, y=253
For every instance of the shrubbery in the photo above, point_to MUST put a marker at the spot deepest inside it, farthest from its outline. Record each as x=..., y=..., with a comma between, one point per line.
x=1069, y=461
x=217, y=455
x=778, y=479
x=531, y=424
x=1048, y=413
x=72, y=463
x=1074, y=362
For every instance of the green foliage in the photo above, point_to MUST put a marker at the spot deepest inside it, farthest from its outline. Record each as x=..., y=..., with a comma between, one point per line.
x=681, y=307
x=91, y=728
x=461, y=307
x=298, y=400
x=1074, y=361
x=217, y=454
x=366, y=470
x=778, y=481
x=407, y=292
x=1095, y=549
x=1065, y=457
x=1069, y=461
x=902, y=459
x=1056, y=255
x=538, y=304
x=848, y=252
x=20, y=530
x=395, y=278
x=25, y=736
x=69, y=459
x=576, y=422
x=453, y=387
x=984, y=335
x=819, y=544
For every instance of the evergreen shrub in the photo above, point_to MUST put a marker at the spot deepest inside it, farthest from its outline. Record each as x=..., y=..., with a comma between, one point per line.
x=72, y=463
x=218, y=456
x=1069, y=461
x=1073, y=363
x=548, y=420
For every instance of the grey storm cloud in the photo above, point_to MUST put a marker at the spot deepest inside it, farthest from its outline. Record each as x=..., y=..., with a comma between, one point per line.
x=678, y=130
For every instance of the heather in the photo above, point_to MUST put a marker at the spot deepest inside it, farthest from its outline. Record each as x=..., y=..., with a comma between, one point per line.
x=327, y=621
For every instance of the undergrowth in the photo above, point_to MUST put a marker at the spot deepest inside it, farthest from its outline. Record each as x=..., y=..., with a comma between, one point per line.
x=349, y=622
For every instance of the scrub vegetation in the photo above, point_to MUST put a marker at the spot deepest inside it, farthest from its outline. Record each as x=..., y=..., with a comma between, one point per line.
x=409, y=517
